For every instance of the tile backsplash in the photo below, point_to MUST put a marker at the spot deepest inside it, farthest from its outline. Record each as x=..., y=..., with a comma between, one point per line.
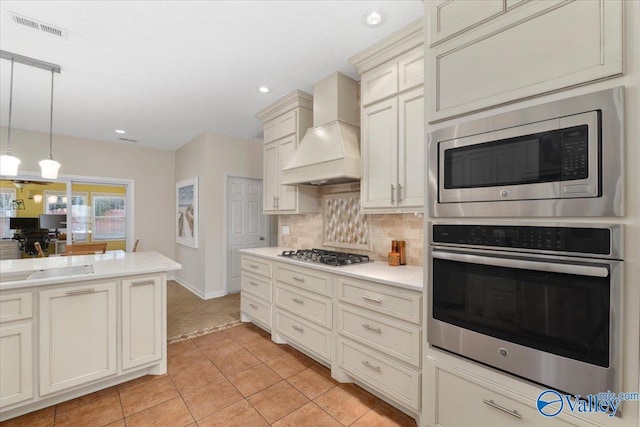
x=306, y=231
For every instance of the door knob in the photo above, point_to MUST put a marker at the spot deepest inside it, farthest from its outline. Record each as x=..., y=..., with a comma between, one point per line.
x=261, y=237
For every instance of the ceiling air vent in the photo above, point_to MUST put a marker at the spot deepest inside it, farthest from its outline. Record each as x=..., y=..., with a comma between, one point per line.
x=133, y=141
x=39, y=26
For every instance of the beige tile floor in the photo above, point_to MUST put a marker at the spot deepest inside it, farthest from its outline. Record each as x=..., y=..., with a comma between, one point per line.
x=233, y=377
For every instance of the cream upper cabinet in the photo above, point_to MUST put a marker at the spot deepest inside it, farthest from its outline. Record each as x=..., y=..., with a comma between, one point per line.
x=392, y=123
x=379, y=154
x=285, y=123
x=77, y=335
x=141, y=321
x=487, y=53
x=411, y=149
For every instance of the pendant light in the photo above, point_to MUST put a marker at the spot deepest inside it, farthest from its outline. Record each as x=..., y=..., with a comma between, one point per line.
x=49, y=166
x=9, y=163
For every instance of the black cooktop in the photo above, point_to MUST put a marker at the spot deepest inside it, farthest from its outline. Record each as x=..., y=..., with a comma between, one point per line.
x=321, y=256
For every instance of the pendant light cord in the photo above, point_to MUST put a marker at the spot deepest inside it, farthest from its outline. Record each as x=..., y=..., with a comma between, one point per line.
x=10, y=108
x=51, y=121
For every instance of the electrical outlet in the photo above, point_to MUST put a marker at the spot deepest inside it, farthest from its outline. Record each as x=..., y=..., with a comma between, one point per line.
x=285, y=230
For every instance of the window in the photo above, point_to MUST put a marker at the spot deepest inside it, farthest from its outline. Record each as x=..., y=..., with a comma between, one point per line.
x=108, y=216
x=55, y=202
x=7, y=196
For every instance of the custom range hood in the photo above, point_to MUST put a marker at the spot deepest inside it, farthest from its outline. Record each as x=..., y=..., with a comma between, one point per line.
x=329, y=153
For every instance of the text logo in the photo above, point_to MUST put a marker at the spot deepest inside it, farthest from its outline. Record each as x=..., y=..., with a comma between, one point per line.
x=546, y=401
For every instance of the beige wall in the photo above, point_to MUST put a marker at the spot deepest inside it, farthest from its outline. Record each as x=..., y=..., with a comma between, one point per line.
x=151, y=170
x=212, y=157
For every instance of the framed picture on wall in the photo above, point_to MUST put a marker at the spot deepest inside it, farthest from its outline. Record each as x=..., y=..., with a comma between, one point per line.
x=187, y=212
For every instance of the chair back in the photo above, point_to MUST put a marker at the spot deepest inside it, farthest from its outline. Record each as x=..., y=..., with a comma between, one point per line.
x=135, y=245
x=85, y=249
x=31, y=237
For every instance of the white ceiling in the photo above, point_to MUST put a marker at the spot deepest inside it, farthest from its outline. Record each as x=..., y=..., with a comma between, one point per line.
x=165, y=71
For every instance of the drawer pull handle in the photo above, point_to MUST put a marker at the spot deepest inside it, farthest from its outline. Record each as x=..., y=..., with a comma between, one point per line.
x=253, y=266
x=255, y=307
x=371, y=328
x=368, y=298
x=369, y=365
x=493, y=404
x=298, y=328
x=143, y=283
x=81, y=291
x=253, y=283
x=298, y=300
x=298, y=279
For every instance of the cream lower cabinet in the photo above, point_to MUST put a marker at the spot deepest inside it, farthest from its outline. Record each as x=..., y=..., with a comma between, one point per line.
x=141, y=321
x=304, y=310
x=255, y=297
x=16, y=363
x=380, y=339
x=485, y=404
x=77, y=335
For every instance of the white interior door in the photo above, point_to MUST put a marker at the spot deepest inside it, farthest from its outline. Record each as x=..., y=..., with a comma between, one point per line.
x=246, y=225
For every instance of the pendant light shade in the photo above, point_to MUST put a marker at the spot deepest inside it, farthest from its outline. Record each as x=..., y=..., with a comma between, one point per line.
x=9, y=163
x=49, y=166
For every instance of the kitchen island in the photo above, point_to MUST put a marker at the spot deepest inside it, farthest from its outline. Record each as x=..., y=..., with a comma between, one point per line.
x=73, y=325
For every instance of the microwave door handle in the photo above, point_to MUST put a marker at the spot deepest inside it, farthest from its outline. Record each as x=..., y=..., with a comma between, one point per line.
x=551, y=267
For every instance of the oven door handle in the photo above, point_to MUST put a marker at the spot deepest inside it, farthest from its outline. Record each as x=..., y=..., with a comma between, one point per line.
x=551, y=267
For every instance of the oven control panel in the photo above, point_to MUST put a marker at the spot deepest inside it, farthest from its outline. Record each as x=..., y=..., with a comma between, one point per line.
x=579, y=240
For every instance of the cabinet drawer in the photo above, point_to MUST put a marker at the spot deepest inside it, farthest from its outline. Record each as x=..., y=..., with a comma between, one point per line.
x=494, y=409
x=379, y=83
x=257, y=266
x=396, y=302
x=310, y=306
x=256, y=309
x=312, y=337
x=16, y=307
x=388, y=377
x=304, y=278
x=389, y=336
x=256, y=285
x=411, y=69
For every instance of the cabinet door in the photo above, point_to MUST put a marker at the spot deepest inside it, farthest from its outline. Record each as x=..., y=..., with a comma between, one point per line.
x=77, y=335
x=379, y=83
x=411, y=69
x=411, y=148
x=16, y=363
x=142, y=321
x=450, y=17
x=287, y=123
x=270, y=132
x=380, y=154
x=270, y=177
x=287, y=200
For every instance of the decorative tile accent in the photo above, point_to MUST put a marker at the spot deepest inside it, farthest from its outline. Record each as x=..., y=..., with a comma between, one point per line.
x=344, y=225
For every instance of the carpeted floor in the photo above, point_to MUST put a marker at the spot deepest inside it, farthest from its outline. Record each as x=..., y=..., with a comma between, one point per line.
x=188, y=316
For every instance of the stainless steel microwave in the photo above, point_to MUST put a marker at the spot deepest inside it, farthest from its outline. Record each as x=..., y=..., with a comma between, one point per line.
x=564, y=158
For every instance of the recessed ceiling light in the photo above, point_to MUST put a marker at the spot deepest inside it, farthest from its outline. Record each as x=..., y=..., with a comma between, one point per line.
x=374, y=18
x=264, y=89
x=120, y=131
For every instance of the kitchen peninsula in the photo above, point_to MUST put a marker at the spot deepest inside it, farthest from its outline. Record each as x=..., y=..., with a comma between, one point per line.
x=74, y=325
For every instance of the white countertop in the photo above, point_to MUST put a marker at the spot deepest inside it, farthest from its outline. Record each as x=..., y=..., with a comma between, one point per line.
x=14, y=272
x=403, y=276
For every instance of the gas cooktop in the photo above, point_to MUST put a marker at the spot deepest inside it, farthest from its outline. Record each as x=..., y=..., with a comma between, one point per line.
x=321, y=256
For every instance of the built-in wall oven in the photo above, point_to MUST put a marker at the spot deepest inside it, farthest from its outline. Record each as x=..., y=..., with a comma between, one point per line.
x=563, y=158
x=541, y=301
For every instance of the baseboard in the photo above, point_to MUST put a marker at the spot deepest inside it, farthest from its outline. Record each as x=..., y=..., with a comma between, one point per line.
x=197, y=292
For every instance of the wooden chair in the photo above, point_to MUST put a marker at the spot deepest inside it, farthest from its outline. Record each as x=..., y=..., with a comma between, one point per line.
x=85, y=249
x=38, y=249
x=135, y=245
